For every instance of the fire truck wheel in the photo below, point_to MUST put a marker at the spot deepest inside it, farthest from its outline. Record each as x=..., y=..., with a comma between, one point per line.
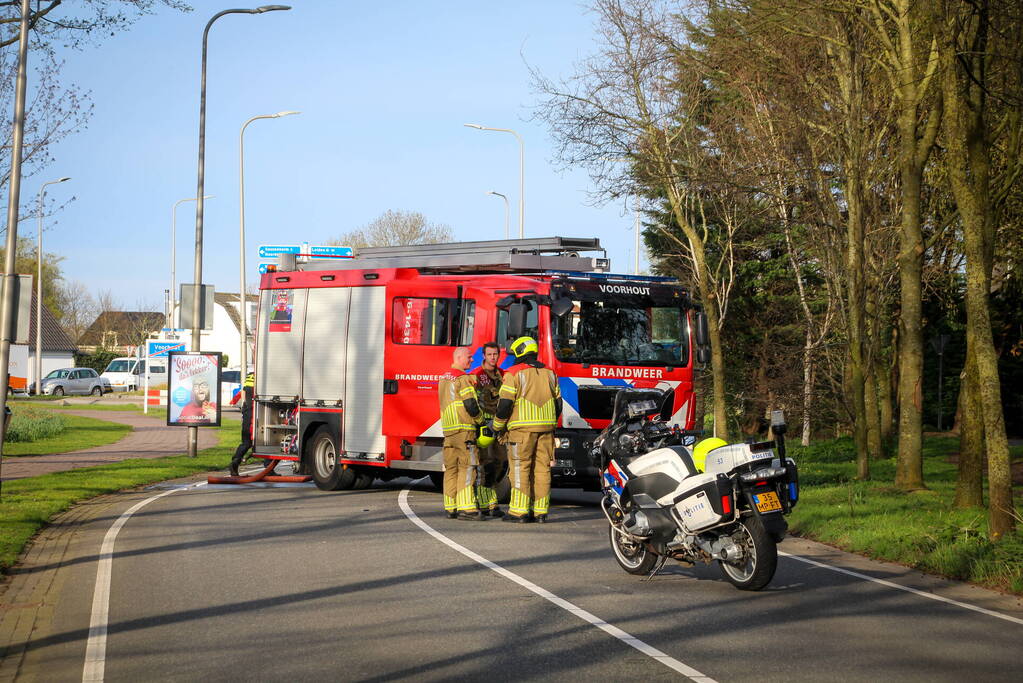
x=363, y=480
x=328, y=474
x=438, y=480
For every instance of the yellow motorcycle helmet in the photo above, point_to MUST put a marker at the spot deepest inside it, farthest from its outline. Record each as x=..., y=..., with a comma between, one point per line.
x=523, y=345
x=703, y=448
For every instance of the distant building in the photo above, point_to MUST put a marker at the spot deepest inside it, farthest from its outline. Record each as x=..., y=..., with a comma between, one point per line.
x=121, y=331
x=58, y=351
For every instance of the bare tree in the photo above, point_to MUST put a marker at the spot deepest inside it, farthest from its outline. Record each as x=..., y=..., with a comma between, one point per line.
x=634, y=100
x=79, y=309
x=105, y=301
x=394, y=228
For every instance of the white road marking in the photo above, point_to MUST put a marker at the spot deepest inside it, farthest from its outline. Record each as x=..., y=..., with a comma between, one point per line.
x=915, y=591
x=96, y=646
x=588, y=617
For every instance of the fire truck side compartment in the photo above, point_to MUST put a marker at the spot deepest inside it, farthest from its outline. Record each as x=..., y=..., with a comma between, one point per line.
x=326, y=342
x=280, y=353
x=364, y=372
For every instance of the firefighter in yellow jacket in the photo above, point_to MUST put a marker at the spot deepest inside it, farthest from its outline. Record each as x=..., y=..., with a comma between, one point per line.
x=529, y=407
x=459, y=415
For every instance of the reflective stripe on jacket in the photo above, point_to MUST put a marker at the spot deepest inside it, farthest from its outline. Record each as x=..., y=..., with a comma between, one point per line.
x=454, y=387
x=535, y=395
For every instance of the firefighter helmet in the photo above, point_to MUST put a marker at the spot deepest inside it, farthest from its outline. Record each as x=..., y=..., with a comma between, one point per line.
x=703, y=448
x=523, y=345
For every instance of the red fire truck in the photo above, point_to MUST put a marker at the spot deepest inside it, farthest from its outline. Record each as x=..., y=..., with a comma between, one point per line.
x=349, y=352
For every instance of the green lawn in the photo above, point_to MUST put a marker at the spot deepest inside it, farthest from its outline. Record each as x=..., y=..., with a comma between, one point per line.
x=27, y=504
x=81, y=433
x=919, y=529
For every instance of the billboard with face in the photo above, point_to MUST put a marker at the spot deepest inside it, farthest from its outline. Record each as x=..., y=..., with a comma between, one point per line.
x=193, y=389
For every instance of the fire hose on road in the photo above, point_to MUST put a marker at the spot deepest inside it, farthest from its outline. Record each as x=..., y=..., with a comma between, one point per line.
x=264, y=475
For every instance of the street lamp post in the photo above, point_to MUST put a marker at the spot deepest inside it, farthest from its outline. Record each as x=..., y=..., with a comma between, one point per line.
x=39, y=289
x=522, y=170
x=506, y=210
x=193, y=432
x=242, y=304
x=174, y=223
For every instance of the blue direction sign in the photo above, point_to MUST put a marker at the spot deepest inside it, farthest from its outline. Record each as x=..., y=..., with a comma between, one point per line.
x=330, y=251
x=156, y=349
x=273, y=250
x=264, y=268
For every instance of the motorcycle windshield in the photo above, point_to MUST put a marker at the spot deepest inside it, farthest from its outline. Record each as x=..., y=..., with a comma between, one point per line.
x=626, y=330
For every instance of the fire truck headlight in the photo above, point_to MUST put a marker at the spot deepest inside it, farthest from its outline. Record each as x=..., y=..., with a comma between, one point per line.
x=563, y=442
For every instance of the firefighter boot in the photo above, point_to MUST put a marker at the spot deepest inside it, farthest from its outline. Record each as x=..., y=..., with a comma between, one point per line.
x=234, y=469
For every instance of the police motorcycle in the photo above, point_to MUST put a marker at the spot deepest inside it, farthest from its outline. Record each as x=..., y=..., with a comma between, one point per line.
x=661, y=506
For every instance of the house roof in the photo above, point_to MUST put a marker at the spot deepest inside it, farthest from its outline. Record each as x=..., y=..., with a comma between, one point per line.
x=125, y=323
x=54, y=338
x=229, y=300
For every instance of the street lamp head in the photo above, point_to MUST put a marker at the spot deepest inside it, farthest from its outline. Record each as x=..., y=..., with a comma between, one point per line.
x=63, y=179
x=285, y=113
x=473, y=125
x=271, y=8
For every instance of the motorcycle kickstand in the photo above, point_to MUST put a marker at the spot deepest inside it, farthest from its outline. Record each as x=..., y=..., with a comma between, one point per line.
x=657, y=567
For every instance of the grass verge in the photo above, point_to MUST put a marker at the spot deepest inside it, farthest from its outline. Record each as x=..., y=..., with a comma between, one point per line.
x=27, y=504
x=919, y=529
x=81, y=433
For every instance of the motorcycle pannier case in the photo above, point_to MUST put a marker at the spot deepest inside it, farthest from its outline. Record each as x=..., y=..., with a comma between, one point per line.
x=697, y=501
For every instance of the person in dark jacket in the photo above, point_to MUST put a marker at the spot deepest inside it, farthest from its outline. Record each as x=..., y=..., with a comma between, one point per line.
x=245, y=396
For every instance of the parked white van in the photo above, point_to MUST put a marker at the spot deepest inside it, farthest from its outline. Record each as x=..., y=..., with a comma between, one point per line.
x=128, y=374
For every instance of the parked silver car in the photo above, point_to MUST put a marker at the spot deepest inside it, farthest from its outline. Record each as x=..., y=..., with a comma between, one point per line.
x=75, y=381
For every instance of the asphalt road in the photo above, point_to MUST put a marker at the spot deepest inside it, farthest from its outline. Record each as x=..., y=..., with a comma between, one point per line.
x=290, y=583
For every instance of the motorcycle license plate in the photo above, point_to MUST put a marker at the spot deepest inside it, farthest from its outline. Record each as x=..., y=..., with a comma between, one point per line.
x=767, y=502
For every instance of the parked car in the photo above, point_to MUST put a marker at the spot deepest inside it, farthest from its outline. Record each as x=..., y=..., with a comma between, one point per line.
x=75, y=381
x=129, y=374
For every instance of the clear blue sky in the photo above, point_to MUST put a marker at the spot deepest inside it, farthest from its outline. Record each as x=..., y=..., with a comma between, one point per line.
x=383, y=88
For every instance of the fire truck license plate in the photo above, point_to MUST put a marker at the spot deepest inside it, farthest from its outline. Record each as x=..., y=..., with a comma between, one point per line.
x=767, y=502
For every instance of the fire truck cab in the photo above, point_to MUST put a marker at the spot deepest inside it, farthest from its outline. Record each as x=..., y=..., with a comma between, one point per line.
x=349, y=352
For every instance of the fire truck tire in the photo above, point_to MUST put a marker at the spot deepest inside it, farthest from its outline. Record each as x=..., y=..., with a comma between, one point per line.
x=438, y=480
x=328, y=474
x=363, y=480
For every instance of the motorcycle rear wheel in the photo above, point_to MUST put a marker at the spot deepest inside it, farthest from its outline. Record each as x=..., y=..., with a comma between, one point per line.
x=631, y=554
x=760, y=557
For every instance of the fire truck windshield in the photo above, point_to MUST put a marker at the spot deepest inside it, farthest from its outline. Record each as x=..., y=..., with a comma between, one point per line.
x=621, y=333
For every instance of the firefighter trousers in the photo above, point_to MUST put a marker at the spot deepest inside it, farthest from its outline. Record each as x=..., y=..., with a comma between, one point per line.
x=529, y=467
x=461, y=462
x=493, y=459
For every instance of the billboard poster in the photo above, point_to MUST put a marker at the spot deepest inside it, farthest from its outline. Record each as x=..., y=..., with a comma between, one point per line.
x=280, y=313
x=193, y=389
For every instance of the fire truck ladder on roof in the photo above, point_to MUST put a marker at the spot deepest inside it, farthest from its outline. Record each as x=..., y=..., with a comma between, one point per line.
x=494, y=256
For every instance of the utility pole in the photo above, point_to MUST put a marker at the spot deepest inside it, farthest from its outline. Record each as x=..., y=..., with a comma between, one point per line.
x=13, y=201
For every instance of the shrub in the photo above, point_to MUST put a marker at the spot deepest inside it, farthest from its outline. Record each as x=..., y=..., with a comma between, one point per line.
x=31, y=425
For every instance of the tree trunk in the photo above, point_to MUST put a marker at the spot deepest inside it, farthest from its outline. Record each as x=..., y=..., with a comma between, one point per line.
x=884, y=394
x=873, y=416
x=970, y=480
x=969, y=156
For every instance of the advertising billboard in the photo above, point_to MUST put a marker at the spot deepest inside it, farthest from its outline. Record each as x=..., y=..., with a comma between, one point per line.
x=193, y=389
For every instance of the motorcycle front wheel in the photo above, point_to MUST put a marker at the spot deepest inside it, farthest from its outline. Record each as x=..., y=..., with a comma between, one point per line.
x=631, y=554
x=759, y=560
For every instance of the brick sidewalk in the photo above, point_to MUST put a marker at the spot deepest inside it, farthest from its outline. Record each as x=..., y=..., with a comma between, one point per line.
x=149, y=438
